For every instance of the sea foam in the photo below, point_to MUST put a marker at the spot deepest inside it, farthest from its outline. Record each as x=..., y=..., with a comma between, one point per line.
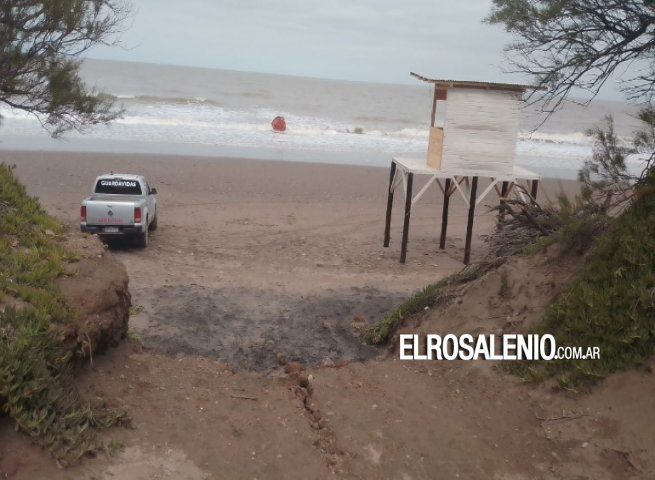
x=180, y=110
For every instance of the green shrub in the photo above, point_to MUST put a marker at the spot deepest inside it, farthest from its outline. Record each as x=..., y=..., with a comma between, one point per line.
x=36, y=389
x=610, y=305
x=35, y=380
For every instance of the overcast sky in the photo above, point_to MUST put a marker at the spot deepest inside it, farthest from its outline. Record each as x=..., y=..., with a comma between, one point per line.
x=366, y=40
x=369, y=40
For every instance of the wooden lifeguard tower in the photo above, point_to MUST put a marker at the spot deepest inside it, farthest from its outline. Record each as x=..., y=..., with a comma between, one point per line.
x=473, y=132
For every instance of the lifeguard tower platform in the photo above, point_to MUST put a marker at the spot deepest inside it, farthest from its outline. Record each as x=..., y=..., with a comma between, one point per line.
x=473, y=132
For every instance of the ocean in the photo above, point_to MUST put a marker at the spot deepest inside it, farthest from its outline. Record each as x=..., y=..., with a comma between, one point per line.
x=195, y=111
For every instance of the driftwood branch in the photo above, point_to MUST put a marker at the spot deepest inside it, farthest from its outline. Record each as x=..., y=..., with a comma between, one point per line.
x=563, y=416
x=521, y=221
x=243, y=397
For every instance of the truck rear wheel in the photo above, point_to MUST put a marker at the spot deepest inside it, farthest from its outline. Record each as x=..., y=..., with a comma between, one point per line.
x=142, y=239
x=153, y=224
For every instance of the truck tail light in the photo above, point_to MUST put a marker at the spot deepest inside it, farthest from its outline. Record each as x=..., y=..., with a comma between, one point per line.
x=83, y=213
x=137, y=214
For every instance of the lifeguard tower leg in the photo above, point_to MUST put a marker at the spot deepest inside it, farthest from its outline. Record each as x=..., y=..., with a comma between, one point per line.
x=469, y=225
x=503, y=193
x=387, y=225
x=535, y=187
x=444, y=214
x=408, y=209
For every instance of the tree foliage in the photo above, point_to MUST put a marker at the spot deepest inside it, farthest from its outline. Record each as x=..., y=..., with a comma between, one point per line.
x=606, y=182
x=41, y=43
x=644, y=141
x=580, y=44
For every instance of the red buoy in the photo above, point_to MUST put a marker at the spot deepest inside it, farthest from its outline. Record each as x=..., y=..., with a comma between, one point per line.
x=278, y=124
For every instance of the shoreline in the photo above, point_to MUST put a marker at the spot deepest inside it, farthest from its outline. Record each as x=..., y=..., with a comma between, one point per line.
x=215, y=157
x=250, y=179
x=272, y=154
x=252, y=154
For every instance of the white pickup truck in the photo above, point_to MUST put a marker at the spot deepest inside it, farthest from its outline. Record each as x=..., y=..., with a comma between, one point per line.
x=120, y=205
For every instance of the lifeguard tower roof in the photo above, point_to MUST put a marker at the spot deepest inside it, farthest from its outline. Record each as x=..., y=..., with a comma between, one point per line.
x=446, y=84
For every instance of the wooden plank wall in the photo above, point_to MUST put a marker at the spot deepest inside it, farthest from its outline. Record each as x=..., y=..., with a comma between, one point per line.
x=480, y=130
x=435, y=147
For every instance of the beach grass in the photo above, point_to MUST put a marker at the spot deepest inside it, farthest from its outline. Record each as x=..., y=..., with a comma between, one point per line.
x=430, y=296
x=36, y=388
x=610, y=305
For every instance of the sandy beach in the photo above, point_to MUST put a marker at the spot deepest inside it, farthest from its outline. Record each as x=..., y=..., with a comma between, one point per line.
x=256, y=264
x=255, y=258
